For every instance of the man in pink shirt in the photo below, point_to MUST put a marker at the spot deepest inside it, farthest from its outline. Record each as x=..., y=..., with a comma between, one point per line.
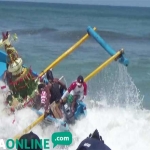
x=78, y=89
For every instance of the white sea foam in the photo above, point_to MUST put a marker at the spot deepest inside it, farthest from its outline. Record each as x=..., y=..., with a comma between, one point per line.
x=122, y=122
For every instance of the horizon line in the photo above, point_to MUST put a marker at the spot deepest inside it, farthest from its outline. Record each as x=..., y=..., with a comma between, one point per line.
x=73, y=3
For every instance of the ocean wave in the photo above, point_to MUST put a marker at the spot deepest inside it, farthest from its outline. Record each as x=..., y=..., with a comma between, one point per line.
x=117, y=35
x=34, y=31
x=76, y=34
x=61, y=35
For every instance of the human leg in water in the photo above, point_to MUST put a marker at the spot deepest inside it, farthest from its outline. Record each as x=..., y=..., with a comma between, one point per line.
x=74, y=102
x=61, y=90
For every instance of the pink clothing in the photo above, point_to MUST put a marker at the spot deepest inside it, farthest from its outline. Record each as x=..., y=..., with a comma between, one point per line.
x=43, y=97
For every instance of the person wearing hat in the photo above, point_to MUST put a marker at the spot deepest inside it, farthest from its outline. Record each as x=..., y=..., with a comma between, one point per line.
x=55, y=87
x=78, y=89
x=30, y=146
x=93, y=142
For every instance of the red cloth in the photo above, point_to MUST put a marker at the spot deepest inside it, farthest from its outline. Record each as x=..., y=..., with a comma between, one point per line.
x=3, y=87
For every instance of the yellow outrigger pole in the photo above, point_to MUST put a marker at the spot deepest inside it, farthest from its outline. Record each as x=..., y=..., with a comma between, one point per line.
x=65, y=54
x=106, y=63
x=52, y=65
x=26, y=130
x=102, y=66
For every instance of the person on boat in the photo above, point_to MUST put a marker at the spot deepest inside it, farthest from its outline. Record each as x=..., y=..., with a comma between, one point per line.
x=43, y=92
x=93, y=142
x=29, y=137
x=55, y=87
x=78, y=89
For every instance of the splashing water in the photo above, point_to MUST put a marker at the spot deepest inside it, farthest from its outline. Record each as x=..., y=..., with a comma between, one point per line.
x=115, y=86
x=114, y=108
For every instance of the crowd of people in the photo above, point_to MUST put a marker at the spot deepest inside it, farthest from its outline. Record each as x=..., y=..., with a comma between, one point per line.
x=52, y=94
x=51, y=99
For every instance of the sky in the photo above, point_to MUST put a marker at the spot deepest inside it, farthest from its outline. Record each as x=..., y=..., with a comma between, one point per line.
x=139, y=3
